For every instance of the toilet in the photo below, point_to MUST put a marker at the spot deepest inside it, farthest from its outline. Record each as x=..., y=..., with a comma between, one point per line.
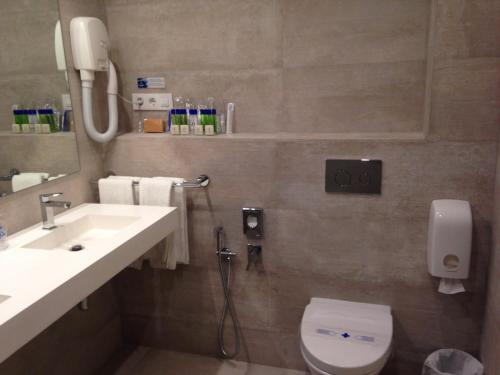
x=345, y=338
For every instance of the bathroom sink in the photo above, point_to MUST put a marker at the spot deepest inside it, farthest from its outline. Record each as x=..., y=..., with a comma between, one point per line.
x=82, y=233
x=41, y=279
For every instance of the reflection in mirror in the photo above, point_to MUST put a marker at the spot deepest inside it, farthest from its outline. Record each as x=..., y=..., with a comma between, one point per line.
x=37, y=136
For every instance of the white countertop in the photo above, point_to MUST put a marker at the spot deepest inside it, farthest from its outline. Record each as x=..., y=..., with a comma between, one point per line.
x=45, y=284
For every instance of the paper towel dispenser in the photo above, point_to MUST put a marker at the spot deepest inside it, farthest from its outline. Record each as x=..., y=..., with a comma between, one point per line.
x=449, y=239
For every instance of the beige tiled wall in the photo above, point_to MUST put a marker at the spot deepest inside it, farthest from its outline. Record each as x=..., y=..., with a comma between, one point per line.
x=80, y=342
x=270, y=57
x=296, y=66
x=362, y=66
x=491, y=329
x=359, y=248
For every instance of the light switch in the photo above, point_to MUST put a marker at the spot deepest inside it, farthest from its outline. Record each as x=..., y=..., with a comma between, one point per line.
x=152, y=102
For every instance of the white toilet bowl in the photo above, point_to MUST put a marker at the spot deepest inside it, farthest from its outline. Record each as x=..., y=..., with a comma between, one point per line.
x=345, y=338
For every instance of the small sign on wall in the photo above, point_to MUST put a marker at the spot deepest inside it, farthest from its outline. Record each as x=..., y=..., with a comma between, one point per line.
x=150, y=82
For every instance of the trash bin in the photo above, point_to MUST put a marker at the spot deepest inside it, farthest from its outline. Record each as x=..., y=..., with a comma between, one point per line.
x=452, y=362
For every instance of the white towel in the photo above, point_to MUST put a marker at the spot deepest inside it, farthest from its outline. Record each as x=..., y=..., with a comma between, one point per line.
x=159, y=191
x=26, y=180
x=132, y=179
x=116, y=191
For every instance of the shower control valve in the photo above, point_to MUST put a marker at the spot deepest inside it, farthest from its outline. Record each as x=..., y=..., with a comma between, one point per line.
x=226, y=252
x=254, y=253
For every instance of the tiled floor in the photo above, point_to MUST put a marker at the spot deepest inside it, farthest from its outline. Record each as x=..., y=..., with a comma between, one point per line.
x=146, y=361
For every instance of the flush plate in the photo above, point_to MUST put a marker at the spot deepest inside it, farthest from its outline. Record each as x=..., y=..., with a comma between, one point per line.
x=353, y=176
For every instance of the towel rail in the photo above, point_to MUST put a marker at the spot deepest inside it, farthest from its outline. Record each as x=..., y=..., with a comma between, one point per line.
x=201, y=181
x=11, y=174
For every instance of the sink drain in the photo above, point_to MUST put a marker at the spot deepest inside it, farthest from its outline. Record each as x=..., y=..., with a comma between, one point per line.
x=76, y=248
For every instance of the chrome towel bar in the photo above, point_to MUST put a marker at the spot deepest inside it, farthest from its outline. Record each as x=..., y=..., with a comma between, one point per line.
x=201, y=181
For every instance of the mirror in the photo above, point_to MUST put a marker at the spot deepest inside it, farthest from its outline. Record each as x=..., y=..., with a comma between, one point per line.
x=37, y=136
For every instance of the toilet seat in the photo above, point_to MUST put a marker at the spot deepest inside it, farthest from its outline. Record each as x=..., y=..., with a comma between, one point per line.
x=346, y=338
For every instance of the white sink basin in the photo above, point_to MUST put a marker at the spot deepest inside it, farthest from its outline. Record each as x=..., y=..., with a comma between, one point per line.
x=86, y=232
x=40, y=279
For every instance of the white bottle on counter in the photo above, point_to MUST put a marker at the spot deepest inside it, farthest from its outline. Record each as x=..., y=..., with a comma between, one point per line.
x=3, y=235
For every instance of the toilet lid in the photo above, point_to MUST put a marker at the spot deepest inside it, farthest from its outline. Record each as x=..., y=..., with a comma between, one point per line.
x=341, y=337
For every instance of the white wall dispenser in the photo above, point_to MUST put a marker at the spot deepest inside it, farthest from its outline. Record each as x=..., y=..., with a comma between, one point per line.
x=449, y=243
x=90, y=45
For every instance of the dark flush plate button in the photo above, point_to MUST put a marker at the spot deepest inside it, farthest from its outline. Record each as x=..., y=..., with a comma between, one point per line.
x=343, y=178
x=353, y=176
x=364, y=178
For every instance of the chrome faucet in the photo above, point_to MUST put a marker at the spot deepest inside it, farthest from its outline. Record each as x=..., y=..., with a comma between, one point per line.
x=47, y=206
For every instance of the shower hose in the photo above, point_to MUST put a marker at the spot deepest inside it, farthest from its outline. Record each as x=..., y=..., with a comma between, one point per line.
x=224, y=256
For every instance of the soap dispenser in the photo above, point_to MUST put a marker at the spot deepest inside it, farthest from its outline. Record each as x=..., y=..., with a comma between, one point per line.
x=449, y=243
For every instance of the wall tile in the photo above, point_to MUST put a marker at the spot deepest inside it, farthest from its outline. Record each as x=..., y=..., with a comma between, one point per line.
x=362, y=72
x=164, y=30
x=326, y=33
x=355, y=98
x=323, y=67
x=467, y=28
x=466, y=99
x=257, y=94
x=490, y=345
x=316, y=244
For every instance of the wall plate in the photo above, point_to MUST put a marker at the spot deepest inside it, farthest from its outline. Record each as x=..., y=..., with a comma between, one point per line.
x=353, y=176
x=152, y=102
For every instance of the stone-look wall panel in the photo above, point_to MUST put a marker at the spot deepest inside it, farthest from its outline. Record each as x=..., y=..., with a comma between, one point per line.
x=334, y=67
x=491, y=329
x=290, y=66
x=361, y=248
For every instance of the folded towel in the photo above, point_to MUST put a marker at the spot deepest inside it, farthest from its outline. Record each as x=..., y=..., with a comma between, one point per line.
x=159, y=191
x=26, y=180
x=116, y=191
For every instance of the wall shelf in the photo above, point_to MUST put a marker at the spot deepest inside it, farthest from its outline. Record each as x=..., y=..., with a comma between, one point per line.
x=287, y=137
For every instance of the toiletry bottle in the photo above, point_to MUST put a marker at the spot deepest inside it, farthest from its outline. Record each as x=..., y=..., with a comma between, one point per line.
x=17, y=122
x=192, y=117
x=198, y=127
x=32, y=120
x=221, y=124
x=3, y=235
x=21, y=116
x=47, y=120
x=229, y=118
x=66, y=122
x=55, y=120
x=210, y=120
x=175, y=116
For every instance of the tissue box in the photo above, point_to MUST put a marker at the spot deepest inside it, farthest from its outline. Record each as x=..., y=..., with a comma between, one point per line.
x=154, y=125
